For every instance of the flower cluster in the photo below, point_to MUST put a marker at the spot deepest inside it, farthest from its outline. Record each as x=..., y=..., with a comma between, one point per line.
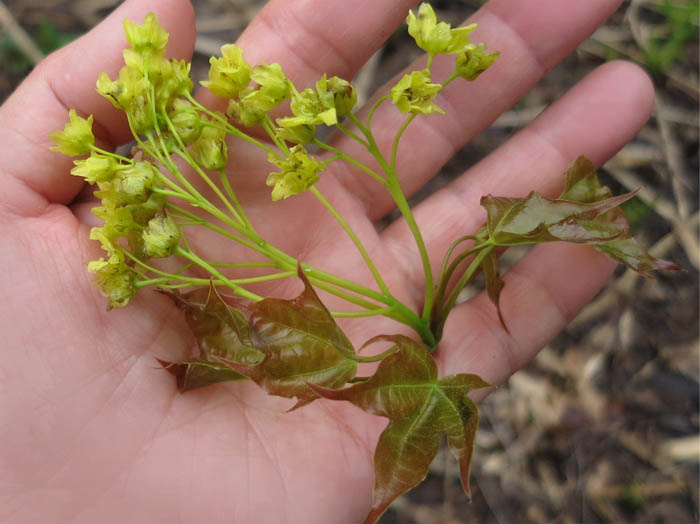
x=130, y=209
x=415, y=92
x=148, y=80
x=332, y=98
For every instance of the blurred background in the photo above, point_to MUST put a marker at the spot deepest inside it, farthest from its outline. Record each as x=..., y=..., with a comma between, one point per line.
x=603, y=425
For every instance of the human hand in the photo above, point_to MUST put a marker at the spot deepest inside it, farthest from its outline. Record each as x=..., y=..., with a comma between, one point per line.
x=96, y=432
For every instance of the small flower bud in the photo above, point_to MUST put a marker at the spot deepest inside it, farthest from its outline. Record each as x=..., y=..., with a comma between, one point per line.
x=95, y=168
x=115, y=279
x=134, y=184
x=309, y=108
x=344, y=94
x=272, y=81
x=118, y=221
x=299, y=172
x=474, y=61
x=161, y=237
x=301, y=134
x=230, y=74
x=186, y=120
x=210, y=150
x=414, y=93
x=76, y=138
x=147, y=38
x=171, y=78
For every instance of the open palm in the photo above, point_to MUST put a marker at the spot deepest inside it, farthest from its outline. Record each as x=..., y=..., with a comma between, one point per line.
x=93, y=431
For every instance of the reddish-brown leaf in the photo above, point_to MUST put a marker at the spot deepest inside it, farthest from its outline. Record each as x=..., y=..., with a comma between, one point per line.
x=302, y=345
x=221, y=331
x=421, y=408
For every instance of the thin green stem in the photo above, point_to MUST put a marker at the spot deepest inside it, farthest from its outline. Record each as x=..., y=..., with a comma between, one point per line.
x=362, y=314
x=365, y=130
x=351, y=160
x=269, y=127
x=225, y=182
x=241, y=240
x=447, y=274
x=376, y=105
x=351, y=135
x=189, y=255
x=230, y=128
x=111, y=155
x=449, y=252
x=465, y=278
x=405, y=209
x=358, y=243
x=185, y=155
x=397, y=138
x=242, y=265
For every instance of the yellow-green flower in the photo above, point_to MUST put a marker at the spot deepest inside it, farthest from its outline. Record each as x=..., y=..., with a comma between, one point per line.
x=332, y=98
x=116, y=280
x=147, y=38
x=272, y=81
x=344, y=95
x=414, y=93
x=186, y=121
x=230, y=74
x=436, y=37
x=299, y=171
x=95, y=168
x=301, y=134
x=76, y=138
x=135, y=183
x=160, y=237
x=474, y=61
x=210, y=150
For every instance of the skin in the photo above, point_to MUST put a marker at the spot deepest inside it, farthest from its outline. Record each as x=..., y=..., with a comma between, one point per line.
x=93, y=431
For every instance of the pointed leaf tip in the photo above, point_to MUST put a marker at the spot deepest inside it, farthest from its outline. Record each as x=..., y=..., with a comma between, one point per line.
x=421, y=408
x=302, y=344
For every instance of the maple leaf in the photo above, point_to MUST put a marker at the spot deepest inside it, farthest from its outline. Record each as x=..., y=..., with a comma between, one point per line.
x=221, y=331
x=421, y=408
x=586, y=212
x=302, y=345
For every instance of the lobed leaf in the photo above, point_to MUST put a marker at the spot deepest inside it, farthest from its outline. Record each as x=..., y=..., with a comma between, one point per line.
x=421, y=408
x=585, y=213
x=221, y=331
x=535, y=219
x=627, y=251
x=302, y=345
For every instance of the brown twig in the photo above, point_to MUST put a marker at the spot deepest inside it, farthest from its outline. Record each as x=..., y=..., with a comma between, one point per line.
x=19, y=35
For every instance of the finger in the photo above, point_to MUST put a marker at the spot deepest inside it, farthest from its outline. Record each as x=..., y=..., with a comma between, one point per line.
x=531, y=40
x=543, y=293
x=596, y=118
x=32, y=175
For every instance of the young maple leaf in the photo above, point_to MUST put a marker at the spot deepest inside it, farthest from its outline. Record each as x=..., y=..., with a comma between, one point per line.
x=421, y=408
x=221, y=331
x=302, y=345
